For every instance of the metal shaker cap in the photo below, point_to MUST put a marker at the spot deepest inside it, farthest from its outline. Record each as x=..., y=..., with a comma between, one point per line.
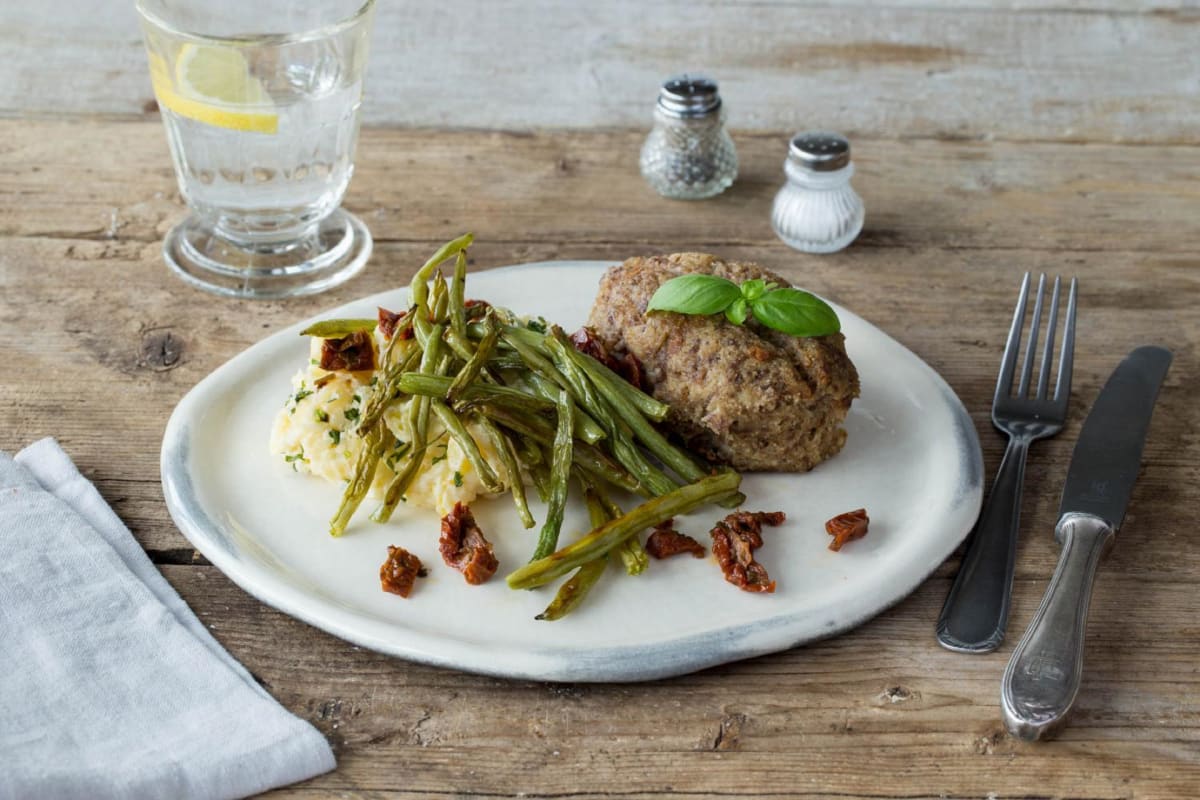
x=689, y=96
x=819, y=151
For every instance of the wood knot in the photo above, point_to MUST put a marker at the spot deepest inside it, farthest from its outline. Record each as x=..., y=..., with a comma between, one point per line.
x=729, y=732
x=896, y=694
x=567, y=691
x=161, y=350
x=419, y=735
x=986, y=745
x=330, y=709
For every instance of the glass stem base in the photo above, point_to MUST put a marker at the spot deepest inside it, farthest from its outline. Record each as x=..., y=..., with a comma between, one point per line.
x=333, y=251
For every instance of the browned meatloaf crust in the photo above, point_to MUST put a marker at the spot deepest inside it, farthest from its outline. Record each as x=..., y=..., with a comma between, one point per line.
x=747, y=396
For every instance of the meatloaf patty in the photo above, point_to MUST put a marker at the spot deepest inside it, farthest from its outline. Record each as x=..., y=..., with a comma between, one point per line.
x=747, y=396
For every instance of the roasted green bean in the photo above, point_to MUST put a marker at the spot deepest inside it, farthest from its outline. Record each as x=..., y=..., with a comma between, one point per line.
x=653, y=409
x=534, y=360
x=458, y=286
x=418, y=431
x=418, y=290
x=337, y=328
x=574, y=589
x=475, y=364
x=600, y=506
x=608, y=536
x=588, y=457
x=398, y=485
x=458, y=432
x=633, y=556
x=437, y=386
x=378, y=440
x=560, y=477
x=586, y=427
x=504, y=448
x=387, y=388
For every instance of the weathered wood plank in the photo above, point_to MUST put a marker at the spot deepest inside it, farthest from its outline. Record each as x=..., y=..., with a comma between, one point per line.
x=1123, y=71
x=830, y=718
x=584, y=187
x=104, y=342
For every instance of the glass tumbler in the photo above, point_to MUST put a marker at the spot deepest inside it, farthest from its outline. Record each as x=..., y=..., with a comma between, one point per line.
x=260, y=101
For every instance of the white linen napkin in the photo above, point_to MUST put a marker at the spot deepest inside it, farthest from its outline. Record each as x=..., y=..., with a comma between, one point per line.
x=110, y=687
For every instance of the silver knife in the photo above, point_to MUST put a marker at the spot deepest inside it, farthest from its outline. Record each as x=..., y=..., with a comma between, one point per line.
x=1042, y=677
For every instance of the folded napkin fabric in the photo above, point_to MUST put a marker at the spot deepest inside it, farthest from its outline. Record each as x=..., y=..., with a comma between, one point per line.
x=110, y=687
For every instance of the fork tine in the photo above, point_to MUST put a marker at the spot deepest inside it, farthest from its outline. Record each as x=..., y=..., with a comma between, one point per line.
x=1062, y=392
x=1031, y=347
x=1048, y=349
x=1009, y=363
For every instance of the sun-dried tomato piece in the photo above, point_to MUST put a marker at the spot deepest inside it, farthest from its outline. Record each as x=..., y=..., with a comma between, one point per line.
x=476, y=309
x=665, y=542
x=624, y=364
x=586, y=342
x=399, y=571
x=390, y=320
x=629, y=368
x=464, y=547
x=735, y=539
x=847, y=527
x=348, y=354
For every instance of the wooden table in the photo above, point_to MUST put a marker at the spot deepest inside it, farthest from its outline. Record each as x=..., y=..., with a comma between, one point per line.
x=99, y=342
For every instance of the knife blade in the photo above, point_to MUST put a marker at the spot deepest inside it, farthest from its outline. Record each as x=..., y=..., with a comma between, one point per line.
x=1109, y=451
x=1042, y=677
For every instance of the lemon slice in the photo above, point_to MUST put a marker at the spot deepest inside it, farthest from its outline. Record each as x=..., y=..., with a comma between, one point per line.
x=213, y=85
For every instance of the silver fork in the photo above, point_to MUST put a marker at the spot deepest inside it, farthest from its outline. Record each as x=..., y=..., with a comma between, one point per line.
x=976, y=610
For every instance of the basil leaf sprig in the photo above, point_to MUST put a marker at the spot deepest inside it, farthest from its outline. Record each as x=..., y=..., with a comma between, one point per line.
x=791, y=311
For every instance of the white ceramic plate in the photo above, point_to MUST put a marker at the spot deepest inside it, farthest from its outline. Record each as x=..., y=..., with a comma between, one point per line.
x=912, y=459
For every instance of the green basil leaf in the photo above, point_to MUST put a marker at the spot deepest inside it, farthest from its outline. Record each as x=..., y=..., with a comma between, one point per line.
x=754, y=289
x=695, y=294
x=736, y=313
x=338, y=328
x=796, y=313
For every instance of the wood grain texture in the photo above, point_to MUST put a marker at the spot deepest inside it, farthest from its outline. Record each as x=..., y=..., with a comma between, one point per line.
x=577, y=187
x=105, y=342
x=1116, y=71
x=880, y=713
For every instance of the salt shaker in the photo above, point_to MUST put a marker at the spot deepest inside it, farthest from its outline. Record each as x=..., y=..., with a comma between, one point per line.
x=688, y=154
x=817, y=211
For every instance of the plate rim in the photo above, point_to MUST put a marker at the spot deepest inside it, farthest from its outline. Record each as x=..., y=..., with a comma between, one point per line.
x=671, y=657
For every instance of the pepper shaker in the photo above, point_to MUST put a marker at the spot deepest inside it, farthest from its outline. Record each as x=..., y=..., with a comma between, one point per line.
x=817, y=211
x=688, y=154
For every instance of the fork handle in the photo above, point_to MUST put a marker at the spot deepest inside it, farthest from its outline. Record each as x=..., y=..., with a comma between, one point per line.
x=976, y=610
x=1042, y=678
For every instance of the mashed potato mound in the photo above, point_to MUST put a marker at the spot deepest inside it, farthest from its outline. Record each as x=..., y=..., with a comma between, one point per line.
x=314, y=434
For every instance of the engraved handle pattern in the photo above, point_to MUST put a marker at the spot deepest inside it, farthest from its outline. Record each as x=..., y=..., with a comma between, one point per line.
x=1042, y=677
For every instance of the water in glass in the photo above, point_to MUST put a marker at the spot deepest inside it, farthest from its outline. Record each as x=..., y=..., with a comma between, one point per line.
x=262, y=130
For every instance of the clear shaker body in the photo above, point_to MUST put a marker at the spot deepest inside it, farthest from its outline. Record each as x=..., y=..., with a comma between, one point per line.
x=817, y=212
x=690, y=158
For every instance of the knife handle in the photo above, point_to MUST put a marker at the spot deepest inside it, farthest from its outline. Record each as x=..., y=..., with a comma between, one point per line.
x=1042, y=678
x=975, y=613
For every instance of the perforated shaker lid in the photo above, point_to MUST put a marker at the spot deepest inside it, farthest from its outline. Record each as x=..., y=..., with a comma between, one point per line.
x=689, y=96
x=819, y=151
